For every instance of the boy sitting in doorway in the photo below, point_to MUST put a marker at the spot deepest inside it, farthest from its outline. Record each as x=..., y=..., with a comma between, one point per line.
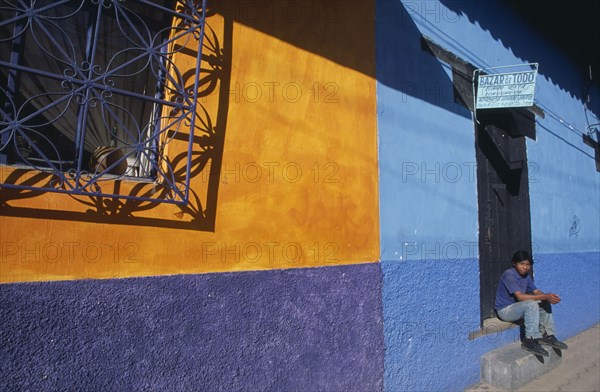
x=518, y=298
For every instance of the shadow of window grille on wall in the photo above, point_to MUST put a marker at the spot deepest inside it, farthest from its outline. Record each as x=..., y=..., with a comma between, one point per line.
x=94, y=93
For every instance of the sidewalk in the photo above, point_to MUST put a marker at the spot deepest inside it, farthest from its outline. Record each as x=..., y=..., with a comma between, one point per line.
x=579, y=370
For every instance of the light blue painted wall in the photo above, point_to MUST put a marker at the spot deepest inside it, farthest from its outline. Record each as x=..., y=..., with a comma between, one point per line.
x=429, y=207
x=427, y=154
x=565, y=191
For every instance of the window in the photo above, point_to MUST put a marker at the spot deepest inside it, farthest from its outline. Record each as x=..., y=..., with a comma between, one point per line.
x=92, y=91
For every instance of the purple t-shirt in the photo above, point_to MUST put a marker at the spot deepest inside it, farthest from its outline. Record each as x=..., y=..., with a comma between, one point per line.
x=510, y=282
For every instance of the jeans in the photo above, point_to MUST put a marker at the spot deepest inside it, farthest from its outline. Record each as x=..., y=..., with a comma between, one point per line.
x=537, y=314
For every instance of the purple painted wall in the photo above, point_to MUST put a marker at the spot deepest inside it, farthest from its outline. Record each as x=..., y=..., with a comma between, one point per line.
x=285, y=330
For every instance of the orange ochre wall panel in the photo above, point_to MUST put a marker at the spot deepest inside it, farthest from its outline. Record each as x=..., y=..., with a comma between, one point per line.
x=291, y=179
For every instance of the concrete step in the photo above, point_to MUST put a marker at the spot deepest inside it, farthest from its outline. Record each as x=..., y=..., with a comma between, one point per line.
x=511, y=367
x=481, y=387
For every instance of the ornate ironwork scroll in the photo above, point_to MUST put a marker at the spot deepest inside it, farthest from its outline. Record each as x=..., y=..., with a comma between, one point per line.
x=94, y=93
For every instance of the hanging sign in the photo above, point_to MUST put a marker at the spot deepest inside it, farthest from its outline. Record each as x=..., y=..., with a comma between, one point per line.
x=505, y=90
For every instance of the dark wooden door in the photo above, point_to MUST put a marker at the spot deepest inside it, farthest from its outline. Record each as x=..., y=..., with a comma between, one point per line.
x=503, y=199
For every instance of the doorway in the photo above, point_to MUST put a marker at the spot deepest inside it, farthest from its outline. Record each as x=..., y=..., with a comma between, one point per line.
x=503, y=195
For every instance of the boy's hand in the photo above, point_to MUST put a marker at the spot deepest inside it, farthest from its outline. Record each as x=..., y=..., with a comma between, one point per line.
x=552, y=298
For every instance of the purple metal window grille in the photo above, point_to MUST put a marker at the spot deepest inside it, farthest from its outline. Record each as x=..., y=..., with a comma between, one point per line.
x=91, y=95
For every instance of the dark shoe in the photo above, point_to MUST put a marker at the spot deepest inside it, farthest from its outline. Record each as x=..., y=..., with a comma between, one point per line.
x=553, y=342
x=533, y=346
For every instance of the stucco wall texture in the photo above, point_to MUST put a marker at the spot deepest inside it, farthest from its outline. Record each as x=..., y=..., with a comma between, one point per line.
x=316, y=329
x=409, y=205
x=427, y=321
x=428, y=189
x=285, y=176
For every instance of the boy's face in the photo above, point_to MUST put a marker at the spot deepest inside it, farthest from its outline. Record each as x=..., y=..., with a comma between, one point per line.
x=523, y=267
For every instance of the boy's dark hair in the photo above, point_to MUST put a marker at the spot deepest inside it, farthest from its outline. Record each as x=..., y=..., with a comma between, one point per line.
x=521, y=255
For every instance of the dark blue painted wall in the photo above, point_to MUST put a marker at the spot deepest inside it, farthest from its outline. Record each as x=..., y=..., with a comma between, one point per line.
x=430, y=306
x=575, y=277
x=328, y=328
x=294, y=330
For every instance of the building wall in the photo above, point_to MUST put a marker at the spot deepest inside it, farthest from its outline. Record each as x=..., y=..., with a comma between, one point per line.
x=295, y=166
x=331, y=241
x=428, y=189
x=284, y=215
x=297, y=329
